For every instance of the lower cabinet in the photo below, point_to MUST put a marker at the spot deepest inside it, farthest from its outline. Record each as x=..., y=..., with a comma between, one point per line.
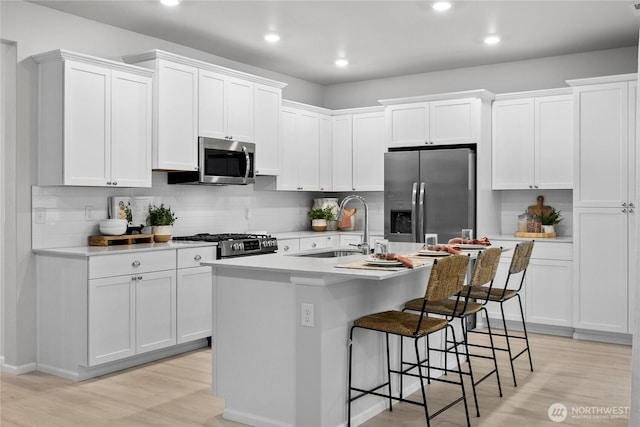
x=132, y=303
x=547, y=292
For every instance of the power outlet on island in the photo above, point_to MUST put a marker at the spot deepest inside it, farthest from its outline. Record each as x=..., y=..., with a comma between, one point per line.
x=306, y=318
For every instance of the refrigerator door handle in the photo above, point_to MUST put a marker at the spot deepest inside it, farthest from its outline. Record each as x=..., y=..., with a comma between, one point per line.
x=421, y=215
x=414, y=211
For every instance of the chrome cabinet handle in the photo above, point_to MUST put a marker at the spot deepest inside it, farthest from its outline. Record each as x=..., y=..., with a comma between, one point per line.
x=135, y=264
x=197, y=257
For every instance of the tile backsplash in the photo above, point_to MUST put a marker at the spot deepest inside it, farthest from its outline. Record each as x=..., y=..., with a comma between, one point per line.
x=66, y=216
x=515, y=202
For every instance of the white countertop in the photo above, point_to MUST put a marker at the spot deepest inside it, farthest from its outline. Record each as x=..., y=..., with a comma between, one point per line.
x=308, y=233
x=87, y=251
x=511, y=237
x=307, y=266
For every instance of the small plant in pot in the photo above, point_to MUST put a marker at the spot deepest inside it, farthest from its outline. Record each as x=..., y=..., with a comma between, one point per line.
x=549, y=220
x=161, y=220
x=319, y=218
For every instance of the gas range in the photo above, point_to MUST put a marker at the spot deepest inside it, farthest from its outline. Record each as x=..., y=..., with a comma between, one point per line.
x=236, y=244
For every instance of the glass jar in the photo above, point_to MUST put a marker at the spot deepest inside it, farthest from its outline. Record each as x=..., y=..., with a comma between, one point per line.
x=523, y=219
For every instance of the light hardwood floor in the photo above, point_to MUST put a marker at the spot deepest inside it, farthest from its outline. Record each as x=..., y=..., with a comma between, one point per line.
x=582, y=375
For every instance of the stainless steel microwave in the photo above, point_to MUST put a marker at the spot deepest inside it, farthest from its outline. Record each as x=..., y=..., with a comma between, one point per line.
x=220, y=161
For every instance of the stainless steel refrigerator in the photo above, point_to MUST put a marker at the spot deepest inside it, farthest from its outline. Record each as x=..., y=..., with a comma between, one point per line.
x=429, y=191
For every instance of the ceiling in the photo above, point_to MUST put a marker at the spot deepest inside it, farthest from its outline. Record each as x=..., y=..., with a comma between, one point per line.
x=379, y=38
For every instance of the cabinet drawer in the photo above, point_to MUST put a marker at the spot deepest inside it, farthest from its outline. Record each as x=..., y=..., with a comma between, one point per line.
x=541, y=249
x=288, y=246
x=131, y=263
x=308, y=243
x=193, y=256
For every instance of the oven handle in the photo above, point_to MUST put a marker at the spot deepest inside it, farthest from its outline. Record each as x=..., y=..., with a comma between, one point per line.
x=248, y=163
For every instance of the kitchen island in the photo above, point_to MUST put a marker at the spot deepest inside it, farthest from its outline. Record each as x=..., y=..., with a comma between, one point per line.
x=272, y=370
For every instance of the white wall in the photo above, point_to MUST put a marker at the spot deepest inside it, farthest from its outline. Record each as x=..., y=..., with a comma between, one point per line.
x=534, y=74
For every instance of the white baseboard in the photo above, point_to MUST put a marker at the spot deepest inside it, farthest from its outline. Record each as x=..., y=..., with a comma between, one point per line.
x=608, y=337
x=17, y=370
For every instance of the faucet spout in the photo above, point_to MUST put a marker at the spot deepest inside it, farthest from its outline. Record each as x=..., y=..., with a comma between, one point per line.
x=364, y=246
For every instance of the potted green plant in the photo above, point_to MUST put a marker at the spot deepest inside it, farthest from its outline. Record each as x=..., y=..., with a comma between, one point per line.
x=161, y=220
x=549, y=220
x=319, y=218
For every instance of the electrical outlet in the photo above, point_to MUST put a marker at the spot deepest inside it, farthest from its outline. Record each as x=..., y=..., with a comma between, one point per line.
x=307, y=315
x=88, y=213
x=41, y=215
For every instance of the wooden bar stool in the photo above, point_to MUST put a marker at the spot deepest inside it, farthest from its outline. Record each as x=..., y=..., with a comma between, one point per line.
x=446, y=279
x=484, y=272
x=519, y=265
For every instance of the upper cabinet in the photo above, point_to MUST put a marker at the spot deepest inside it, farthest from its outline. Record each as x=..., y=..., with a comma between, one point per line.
x=195, y=98
x=225, y=107
x=95, y=121
x=435, y=119
x=532, y=140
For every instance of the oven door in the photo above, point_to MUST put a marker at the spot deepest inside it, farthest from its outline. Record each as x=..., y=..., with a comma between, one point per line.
x=226, y=162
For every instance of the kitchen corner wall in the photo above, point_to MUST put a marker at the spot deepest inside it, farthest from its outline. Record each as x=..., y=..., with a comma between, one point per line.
x=199, y=208
x=514, y=203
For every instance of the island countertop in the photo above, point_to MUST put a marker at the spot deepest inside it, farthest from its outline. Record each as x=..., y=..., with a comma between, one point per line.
x=325, y=267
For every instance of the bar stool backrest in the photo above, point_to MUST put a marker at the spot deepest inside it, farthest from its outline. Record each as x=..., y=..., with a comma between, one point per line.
x=521, y=256
x=485, y=267
x=447, y=277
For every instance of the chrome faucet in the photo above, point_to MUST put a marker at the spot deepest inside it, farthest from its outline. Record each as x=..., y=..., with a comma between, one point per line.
x=364, y=246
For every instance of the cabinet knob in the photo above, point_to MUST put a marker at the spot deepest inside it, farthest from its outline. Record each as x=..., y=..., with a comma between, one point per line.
x=631, y=205
x=624, y=210
x=630, y=210
x=135, y=264
x=286, y=248
x=139, y=277
x=313, y=245
x=624, y=204
x=108, y=182
x=197, y=257
x=115, y=182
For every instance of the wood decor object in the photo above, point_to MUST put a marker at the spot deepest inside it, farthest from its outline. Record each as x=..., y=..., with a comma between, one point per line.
x=126, y=239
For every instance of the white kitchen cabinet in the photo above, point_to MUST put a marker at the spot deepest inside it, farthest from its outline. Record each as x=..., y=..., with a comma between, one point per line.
x=547, y=292
x=604, y=202
x=101, y=313
x=308, y=243
x=533, y=141
x=288, y=246
x=175, y=144
x=350, y=239
x=266, y=128
x=194, y=282
x=325, y=161
x=225, y=107
x=95, y=121
x=368, y=151
x=437, y=121
x=342, y=153
x=192, y=97
x=300, y=150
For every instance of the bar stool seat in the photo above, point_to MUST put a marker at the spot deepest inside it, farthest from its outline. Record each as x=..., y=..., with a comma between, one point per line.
x=401, y=323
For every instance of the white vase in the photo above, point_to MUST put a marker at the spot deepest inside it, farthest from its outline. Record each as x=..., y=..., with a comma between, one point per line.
x=161, y=233
x=549, y=229
x=328, y=202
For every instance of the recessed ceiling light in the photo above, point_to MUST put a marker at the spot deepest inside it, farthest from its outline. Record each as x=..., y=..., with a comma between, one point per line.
x=441, y=6
x=170, y=2
x=342, y=62
x=272, y=38
x=492, y=40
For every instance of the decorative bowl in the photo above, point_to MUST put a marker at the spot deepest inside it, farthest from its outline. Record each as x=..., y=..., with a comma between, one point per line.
x=113, y=227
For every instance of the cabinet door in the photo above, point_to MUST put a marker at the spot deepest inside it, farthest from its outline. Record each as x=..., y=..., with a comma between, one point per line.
x=453, y=121
x=325, y=158
x=176, y=144
x=407, y=124
x=111, y=315
x=288, y=179
x=194, y=303
x=554, y=142
x=549, y=291
x=211, y=105
x=268, y=102
x=342, y=153
x=155, y=310
x=87, y=124
x=239, y=109
x=601, y=132
x=131, y=135
x=308, y=139
x=601, y=269
x=513, y=144
x=368, y=151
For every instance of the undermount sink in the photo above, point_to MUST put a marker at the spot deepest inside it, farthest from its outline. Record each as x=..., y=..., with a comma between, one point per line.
x=332, y=253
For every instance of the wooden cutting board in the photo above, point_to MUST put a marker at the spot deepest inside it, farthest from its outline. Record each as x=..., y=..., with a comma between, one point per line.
x=539, y=208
